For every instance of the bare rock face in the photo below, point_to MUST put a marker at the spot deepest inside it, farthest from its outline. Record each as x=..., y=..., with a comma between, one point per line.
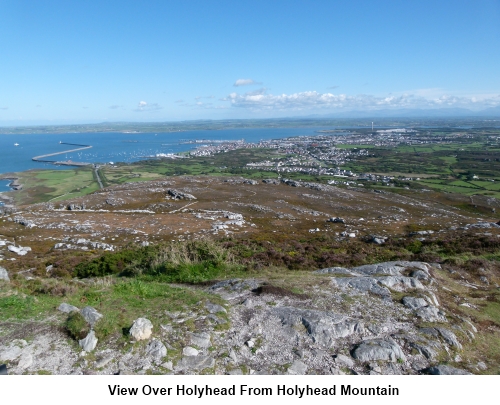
x=141, y=329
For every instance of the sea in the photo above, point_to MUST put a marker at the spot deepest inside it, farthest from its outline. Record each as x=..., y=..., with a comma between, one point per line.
x=119, y=147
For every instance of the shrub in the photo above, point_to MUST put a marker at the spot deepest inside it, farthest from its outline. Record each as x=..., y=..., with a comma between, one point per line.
x=77, y=326
x=116, y=262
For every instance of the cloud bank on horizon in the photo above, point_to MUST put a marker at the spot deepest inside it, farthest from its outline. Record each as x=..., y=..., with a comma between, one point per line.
x=312, y=100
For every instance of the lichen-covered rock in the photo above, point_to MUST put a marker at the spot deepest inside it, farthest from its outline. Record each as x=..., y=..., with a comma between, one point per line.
x=67, y=308
x=89, y=342
x=200, y=339
x=156, y=349
x=390, y=268
x=401, y=283
x=91, y=315
x=362, y=284
x=214, y=308
x=297, y=368
x=379, y=349
x=4, y=275
x=323, y=327
x=190, y=351
x=449, y=337
x=414, y=303
x=141, y=329
x=445, y=370
x=430, y=314
x=337, y=270
x=197, y=363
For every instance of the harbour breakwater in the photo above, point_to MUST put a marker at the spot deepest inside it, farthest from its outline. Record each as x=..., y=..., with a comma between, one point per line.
x=42, y=158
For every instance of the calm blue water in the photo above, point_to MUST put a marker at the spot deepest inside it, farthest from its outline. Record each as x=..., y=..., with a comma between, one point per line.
x=116, y=147
x=4, y=185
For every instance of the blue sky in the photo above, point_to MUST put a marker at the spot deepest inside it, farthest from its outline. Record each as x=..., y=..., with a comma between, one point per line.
x=92, y=61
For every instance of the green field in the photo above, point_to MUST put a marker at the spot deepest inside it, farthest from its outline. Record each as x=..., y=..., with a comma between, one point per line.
x=55, y=185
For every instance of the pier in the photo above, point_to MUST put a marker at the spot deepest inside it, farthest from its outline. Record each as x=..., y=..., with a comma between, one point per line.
x=42, y=158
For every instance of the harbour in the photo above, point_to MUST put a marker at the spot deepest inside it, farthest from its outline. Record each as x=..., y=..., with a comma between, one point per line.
x=117, y=146
x=42, y=158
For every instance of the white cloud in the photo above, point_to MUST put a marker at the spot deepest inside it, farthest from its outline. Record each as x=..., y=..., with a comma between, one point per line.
x=308, y=100
x=144, y=106
x=245, y=82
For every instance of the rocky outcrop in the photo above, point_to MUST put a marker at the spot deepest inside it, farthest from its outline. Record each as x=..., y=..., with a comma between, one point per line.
x=349, y=325
x=379, y=279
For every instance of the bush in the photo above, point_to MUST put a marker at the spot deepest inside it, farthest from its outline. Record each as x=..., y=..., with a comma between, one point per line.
x=77, y=326
x=192, y=262
x=116, y=262
x=184, y=262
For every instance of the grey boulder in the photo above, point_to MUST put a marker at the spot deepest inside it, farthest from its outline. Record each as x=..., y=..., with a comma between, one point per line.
x=414, y=303
x=430, y=314
x=67, y=308
x=445, y=370
x=89, y=342
x=91, y=315
x=4, y=275
x=297, y=368
x=195, y=363
x=214, y=308
x=400, y=283
x=322, y=327
x=156, y=349
x=378, y=349
x=201, y=339
x=363, y=284
x=141, y=329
